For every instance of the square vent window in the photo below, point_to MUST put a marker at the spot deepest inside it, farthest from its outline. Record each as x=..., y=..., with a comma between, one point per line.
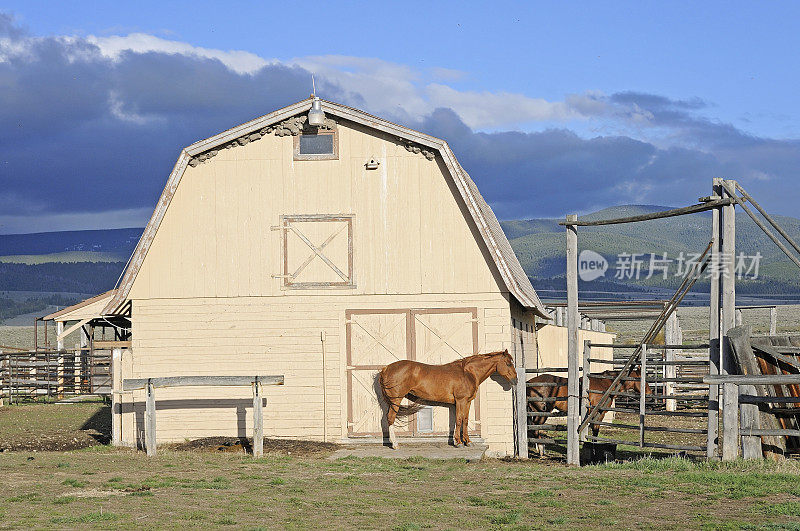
x=319, y=146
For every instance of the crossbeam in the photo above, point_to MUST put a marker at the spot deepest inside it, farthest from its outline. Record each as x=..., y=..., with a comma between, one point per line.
x=693, y=209
x=129, y=384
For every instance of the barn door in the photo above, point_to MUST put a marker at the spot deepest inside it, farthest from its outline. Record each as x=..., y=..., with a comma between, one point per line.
x=441, y=336
x=376, y=338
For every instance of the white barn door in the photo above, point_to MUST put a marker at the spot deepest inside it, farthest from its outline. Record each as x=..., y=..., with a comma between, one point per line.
x=376, y=338
x=441, y=336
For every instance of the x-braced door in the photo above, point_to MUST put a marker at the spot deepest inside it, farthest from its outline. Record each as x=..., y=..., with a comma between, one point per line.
x=376, y=338
x=441, y=336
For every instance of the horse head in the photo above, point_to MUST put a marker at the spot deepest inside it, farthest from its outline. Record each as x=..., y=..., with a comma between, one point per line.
x=636, y=385
x=505, y=366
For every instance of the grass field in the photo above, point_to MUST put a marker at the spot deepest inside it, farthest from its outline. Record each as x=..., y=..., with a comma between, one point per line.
x=694, y=322
x=104, y=487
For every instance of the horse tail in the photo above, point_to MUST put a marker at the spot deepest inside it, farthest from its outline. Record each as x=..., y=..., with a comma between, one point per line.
x=400, y=410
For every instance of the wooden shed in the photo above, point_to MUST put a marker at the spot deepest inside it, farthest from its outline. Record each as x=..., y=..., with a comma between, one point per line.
x=321, y=253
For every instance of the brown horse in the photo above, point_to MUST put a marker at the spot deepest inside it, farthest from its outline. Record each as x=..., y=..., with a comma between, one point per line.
x=452, y=383
x=598, y=384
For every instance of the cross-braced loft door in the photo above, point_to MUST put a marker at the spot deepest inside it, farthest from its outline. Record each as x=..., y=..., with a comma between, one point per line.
x=317, y=251
x=376, y=338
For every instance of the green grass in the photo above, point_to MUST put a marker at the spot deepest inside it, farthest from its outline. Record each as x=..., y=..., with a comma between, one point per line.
x=205, y=489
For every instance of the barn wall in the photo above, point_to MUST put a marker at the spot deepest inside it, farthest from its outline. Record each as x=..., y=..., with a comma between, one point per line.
x=552, y=342
x=269, y=335
x=217, y=238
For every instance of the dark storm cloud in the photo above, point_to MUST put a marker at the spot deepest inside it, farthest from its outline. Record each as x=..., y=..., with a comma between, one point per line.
x=83, y=133
x=555, y=172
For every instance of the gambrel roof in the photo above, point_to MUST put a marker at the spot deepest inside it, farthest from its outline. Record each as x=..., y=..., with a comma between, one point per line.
x=511, y=272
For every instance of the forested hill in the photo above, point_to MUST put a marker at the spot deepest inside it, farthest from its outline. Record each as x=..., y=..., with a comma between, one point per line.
x=120, y=241
x=539, y=244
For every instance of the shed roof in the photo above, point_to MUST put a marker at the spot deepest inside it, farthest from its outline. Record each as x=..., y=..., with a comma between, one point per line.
x=511, y=272
x=91, y=308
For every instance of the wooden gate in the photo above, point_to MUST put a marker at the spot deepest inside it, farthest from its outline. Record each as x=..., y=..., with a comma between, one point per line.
x=376, y=338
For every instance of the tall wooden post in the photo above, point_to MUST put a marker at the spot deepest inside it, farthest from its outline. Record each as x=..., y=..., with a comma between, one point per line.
x=670, y=371
x=728, y=305
x=520, y=394
x=116, y=402
x=150, y=419
x=258, y=420
x=728, y=285
x=60, y=359
x=573, y=322
x=714, y=326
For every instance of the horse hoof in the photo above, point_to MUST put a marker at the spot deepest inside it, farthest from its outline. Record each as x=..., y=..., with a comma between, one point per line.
x=467, y=443
x=457, y=445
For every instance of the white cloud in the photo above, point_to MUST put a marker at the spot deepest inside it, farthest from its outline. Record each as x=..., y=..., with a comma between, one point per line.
x=494, y=109
x=239, y=61
x=380, y=87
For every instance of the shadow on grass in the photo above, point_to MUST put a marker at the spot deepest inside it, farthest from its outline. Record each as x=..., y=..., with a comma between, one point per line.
x=98, y=426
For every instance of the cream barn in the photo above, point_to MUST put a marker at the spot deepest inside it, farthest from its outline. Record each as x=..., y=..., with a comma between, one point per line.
x=321, y=253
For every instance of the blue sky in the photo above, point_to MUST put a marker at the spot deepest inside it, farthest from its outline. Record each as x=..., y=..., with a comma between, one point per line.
x=627, y=102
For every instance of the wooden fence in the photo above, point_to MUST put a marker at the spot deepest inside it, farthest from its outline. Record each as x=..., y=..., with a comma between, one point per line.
x=150, y=385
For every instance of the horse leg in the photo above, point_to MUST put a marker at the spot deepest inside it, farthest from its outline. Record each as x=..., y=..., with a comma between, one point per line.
x=465, y=424
x=459, y=422
x=391, y=415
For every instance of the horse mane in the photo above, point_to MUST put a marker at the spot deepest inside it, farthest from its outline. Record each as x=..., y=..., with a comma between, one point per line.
x=475, y=357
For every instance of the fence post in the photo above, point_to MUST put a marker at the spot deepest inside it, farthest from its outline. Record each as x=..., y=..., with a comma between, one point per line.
x=573, y=323
x=751, y=444
x=642, y=388
x=116, y=402
x=150, y=420
x=521, y=408
x=670, y=370
x=587, y=353
x=773, y=320
x=258, y=420
x=730, y=421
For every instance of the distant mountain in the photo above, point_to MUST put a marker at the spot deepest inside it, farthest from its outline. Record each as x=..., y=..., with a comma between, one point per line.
x=540, y=246
x=119, y=241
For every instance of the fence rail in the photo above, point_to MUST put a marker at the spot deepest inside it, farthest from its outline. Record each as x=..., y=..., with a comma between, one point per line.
x=37, y=374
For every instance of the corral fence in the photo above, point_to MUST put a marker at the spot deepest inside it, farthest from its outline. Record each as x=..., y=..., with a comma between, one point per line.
x=41, y=374
x=675, y=382
x=543, y=427
x=669, y=385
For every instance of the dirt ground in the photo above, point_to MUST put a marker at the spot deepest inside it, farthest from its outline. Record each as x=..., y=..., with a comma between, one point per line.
x=296, y=486
x=54, y=427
